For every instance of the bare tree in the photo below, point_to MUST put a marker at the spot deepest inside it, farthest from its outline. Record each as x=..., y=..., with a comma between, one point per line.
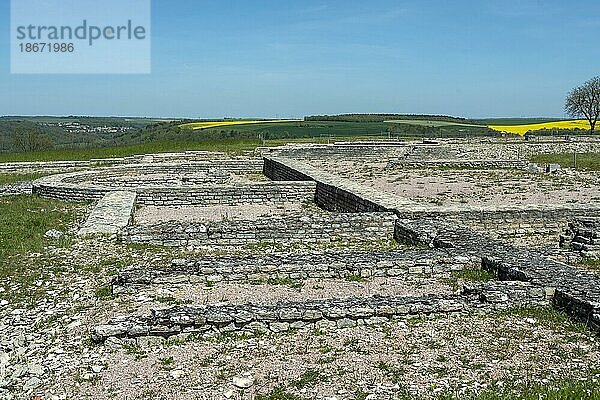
x=584, y=101
x=27, y=138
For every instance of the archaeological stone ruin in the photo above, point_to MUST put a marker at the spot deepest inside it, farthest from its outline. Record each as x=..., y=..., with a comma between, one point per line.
x=305, y=195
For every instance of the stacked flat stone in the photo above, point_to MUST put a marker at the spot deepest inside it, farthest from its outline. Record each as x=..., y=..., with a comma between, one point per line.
x=211, y=320
x=583, y=235
x=16, y=189
x=471, y=164
x=319, y=265
x=312, y=228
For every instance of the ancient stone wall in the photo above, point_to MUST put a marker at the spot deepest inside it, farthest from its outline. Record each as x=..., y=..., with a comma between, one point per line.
x=65, y=166
x=213, y=320
x=16, y=189
x=167, y=173
x=583, y=235
x=300, y=228
x=260, y=192
x=326, y=265
x=313, y=151
x=442, y=149
x=334, y=193
x=456, y=164
x=573, y=289
x=59, y=186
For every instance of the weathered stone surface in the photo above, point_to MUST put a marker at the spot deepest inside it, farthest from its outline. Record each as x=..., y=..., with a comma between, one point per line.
x=328, y=264
x=340, y=313
x=112, y=213
x=583, y=235
x=304, y=228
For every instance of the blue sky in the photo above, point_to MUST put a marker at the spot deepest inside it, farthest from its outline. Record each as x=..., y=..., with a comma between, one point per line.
x=268, y=58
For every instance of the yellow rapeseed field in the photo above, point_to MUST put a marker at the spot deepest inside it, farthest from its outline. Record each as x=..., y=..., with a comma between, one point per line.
x=216, y=124
x=523, y=129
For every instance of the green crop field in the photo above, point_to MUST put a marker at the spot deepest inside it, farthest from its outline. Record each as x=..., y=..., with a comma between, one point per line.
x=433, y=124
x=300, y=129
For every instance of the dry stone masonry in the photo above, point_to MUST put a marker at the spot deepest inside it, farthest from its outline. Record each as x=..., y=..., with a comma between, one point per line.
x=16, y=189
x=208, y=321
x=325, y=265
x=583, y=235
x=277, y=229
x=355, y=213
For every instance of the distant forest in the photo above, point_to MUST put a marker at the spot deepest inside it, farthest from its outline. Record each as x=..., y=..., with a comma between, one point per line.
x=390, y=117
x=24, y=134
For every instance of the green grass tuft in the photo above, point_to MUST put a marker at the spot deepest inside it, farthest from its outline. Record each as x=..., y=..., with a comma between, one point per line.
x=309, y=378
x=468, y=275
x=278, y=394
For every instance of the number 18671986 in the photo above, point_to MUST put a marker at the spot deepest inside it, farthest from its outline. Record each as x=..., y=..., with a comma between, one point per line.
x=47, y=47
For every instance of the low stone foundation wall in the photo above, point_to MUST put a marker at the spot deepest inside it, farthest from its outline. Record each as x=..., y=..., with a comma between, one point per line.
x=436, y=149
x=212, y=320
x=342, y=195
x=168, y=172
x=513, y=212
x=338, y=150
x=300, y=228
x=327, y=265
x=60, y=187
x=583, y=235
x=16, y=189
x=573, y=289
x=260, y=192
x=457, y=164
x=524, y=228
x=62, y=166
x=334, y=193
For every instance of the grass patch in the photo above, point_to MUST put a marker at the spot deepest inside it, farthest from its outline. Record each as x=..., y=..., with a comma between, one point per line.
x=395, y=374
x=104, y=293
x=585, y=161
x=11, y=179
x=355, y=278
x=229, y=146
x=548, y=317
x=309, y=379
x=279, y=282
x=433, y=123
x=24, y=220
x=591, y=263
x=135, y=350
x=166, y=363
x=468, y=275
x=568, y=389
x=564, y=390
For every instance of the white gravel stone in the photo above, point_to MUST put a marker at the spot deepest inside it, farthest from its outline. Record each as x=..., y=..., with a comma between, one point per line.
x=243, y=382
